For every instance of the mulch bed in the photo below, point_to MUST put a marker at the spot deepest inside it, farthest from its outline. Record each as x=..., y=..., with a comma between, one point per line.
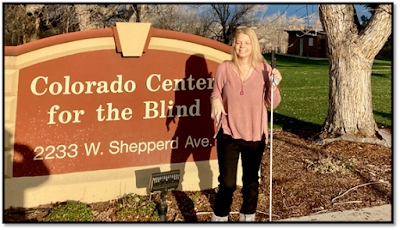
x=308, y=179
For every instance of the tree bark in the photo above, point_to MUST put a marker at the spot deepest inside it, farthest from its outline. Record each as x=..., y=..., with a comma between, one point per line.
x=33, y=22
x=351, y=55
x=85, y=15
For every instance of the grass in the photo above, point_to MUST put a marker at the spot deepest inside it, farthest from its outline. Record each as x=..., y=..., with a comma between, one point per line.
x=305, y=92
x=381, y=80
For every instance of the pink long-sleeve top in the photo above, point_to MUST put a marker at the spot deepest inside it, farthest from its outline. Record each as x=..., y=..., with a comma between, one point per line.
x=247, y=116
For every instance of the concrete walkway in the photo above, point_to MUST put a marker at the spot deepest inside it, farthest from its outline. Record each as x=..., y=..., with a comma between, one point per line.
x=372, y=214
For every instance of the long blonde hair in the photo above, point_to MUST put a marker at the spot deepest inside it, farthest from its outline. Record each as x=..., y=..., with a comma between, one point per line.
x=255, y=55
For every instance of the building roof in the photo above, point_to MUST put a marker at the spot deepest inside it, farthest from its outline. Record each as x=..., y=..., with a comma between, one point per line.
x=305, y=32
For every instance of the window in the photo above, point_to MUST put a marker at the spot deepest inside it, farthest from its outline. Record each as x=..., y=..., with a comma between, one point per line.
x=310, y=41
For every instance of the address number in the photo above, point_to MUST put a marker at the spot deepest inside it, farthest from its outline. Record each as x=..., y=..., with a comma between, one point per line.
x=51, y=152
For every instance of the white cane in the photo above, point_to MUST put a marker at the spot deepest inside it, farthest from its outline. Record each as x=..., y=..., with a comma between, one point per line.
x=273, y=83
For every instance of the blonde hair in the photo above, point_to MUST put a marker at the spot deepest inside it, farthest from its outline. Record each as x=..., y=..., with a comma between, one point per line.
x=255, y=55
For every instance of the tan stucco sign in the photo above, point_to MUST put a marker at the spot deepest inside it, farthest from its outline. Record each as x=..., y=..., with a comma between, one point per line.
x=108, y=102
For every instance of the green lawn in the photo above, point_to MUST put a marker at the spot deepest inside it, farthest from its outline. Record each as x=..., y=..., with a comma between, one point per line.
x=305, y=90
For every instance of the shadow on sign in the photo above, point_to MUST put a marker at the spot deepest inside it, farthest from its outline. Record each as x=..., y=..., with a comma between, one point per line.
x=24, y=154
x=195, y=129
x=143, y=177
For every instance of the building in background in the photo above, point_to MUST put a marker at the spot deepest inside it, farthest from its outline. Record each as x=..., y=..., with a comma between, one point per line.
x=307, y=43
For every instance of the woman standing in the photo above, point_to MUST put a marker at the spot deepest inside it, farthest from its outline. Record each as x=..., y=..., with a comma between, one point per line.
x=240, y=89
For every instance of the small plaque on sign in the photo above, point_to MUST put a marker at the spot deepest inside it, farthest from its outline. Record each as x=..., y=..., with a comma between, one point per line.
x=164, y=181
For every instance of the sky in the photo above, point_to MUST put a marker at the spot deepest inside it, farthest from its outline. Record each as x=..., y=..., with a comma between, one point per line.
x=299, y=9
x=302, y=10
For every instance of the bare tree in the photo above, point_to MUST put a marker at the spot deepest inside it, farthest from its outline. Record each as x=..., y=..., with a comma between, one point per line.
x=229, y=17
x=85, y=17
x=351, y=55
x=204, y=21
x=29, y=22
x=213, y=21
x=14, y=18
x=132, y=13
x=136, y=12
x=95, y=16
x=34, y=22
x=193, y=19
x=139, y=12
x=169, y=17
x=271, y=32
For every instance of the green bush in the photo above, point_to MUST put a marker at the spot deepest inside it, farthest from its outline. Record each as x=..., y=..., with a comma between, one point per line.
x=70, y=212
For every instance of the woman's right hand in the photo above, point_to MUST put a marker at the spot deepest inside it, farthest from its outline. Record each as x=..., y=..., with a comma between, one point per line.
x=217, y=109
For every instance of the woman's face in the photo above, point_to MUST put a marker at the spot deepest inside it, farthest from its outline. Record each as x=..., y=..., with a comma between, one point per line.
x=243, y=46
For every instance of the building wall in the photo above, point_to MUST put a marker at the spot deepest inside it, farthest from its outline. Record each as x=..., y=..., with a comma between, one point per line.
x=311, y=46
x=294, y=44
x=317, y=48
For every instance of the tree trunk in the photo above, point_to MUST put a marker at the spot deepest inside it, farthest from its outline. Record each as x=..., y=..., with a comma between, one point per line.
x=84, y=14
x=33, y=23
x=137, y=11
x=351, y=55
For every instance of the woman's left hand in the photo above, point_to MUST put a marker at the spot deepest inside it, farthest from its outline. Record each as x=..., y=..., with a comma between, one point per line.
x=277, y=76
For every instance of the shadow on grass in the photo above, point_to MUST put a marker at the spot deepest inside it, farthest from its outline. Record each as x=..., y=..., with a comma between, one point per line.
x=381, y=75
x=295, y=61
x=307, y=129
x=385, y=115
x=301, y=128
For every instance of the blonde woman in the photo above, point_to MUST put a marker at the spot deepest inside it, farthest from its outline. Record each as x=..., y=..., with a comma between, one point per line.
x=240, y=88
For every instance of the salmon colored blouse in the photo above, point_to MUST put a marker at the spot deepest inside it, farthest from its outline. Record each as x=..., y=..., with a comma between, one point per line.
x=247, y=116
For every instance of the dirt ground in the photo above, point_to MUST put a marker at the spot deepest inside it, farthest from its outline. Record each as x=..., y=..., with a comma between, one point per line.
x=307, y=179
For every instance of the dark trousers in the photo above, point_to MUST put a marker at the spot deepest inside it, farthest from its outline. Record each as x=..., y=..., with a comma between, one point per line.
x=228, y=150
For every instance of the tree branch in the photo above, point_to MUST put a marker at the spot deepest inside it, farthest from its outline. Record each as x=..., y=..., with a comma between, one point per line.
x=376, y=182
x=108, y=11
x=377, y=30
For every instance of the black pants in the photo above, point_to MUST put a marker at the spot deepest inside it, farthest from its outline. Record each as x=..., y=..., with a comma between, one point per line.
x=228, y=150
